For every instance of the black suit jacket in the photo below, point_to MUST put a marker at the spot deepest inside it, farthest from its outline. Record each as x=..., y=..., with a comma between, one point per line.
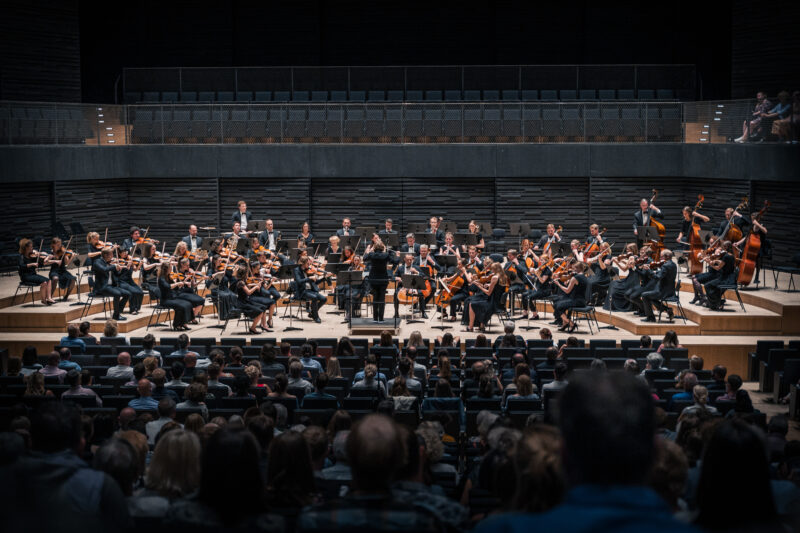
x=302, y=282
x=264, y=237
x=340, y=231
x=101, y=270
x=639, y=221
x=237, y=217
x=431, y=262
x=666, y=279
x=404, y=248
x=188, y=242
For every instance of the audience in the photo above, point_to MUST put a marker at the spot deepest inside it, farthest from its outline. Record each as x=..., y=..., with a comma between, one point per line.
x=73, y=340
x=52, y=368
x=75, y=389
x=123, y=369
x=145, y=401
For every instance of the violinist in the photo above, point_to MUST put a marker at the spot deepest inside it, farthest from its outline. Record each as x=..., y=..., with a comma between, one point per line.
x=252, y=309
x=305, y=234
x=516, y=272
x=193, y=240
x=266, y=269
x=646, y=282
x=410, y=245
x=642, y=216
x=387, y=228
x=378, y=279
x=345, y=230
x=182, y=309
x=187, y=290
x=241, y=215
x=269, y=237
x=262, y=296
x=59, y=260
x=427, y=267
x=576, y=250
x=123, y=280
x=347, y=255
x=475, y=230
x=575, y=296
x=483, y=304
x=307, y=288
x=721, y=271
x=601, y=280
x=135, y=234
x=665, y=279
x=690, y=216
x=104, y=275
x=28, y=263
x=474, y=263
x=254, y=249
x=550, y=236
x=94, y=247
x=625, y=278
x=434, y=230
x=236, y=232
x=459, y=294
x=542, y=284
x=333, y=246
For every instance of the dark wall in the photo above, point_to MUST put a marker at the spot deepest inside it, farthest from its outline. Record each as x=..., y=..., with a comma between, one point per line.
x=167, y=188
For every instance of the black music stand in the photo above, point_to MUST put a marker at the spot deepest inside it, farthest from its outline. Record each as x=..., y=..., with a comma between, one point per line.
x=416, y=227
x=646, y=234
x=287, y=272
x=294, y=253
x=349, y=240
x=465, y=239
x=365, y=232
x=391, y=240
x=256, y=226
x=448, y=261
x=316, y=248
x=350, y=278
x=283, y=244
x=82, y=260
x=450, y=226
x=333, y=258
x=425, y=238
x=416, y=283
x=559, y=249
x=335, y=268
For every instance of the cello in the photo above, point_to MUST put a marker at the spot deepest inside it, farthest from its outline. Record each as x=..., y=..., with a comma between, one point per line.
x=752, y=247
x=695, y=241
x=662, y=231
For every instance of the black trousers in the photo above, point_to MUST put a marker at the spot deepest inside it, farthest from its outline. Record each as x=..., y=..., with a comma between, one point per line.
x=378, y=288
x=456, y=299
x=183, y=311
x=652, y=299
x=136, y=295
x=315, y=300
x=120, y=297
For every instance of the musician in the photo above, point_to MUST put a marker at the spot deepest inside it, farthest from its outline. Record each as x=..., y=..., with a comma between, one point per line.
x=643, y=215
x=94, y=247
x=460, y=294
x=542, y=285
x=347, y=255
x=345, y=230
x=550, y=236
x=193, y=240
x=350, y=296
x=576, y=250
x=305, y=234
x=28, y=263
x=766, y=246
x=247, y=303
x=268, y=267
x=626, y=278
x=255, y=248
x=474, y=229
x=595, y=237
x=448, y=248
x=724, y=268
x=601, y=280
x=59, y=260
x=135, y=234
x=516, y=272
x=236, y=232
x=123, y=279
x=187, y=291
x=333, y=246
x=262, y=283
x=387, y=229
x=734, y=217
x=241, y=215
x=646, y=282
x=378, y=279
x=221, y=284
x=149, y=271
x=410, y=245
x=104, y=282
x=269, y=237
x=484, y=303
x=665, y=279
x=427, y=267
x=169, y=298
x=307, y=288
x=474, y=263
x=690, y=216
x=575, y=296
x=434, y=230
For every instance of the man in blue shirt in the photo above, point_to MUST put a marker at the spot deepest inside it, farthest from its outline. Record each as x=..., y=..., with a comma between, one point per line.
x=73, y=340
x=319, y=393
x=608, y=427
x=145, y=401
x=65, y=363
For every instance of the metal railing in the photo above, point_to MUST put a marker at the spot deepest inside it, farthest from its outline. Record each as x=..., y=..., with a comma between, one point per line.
x=353, y=123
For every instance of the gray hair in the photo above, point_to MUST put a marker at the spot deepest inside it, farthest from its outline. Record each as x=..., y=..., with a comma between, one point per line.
x=655, y=360
x=281, y=414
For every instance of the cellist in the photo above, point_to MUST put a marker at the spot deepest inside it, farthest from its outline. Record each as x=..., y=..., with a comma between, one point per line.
x=427, y=268
x=690, y=216
x=459, y=295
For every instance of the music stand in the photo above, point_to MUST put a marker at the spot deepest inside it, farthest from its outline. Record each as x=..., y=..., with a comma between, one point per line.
x=334, y=267
x=206, y=244
x=282, y=244
x=450, y=226
x=465, y=239
x=315, y=248
x=485, y=228
x=242, y=246
x=425, y=238
x=294, y=253
x=417, y=283
x=705, y=236
x=647, y=234
x=448, y=261
x=559, y=249
x=350, y=278
x=332, y=258
x=392, y=240
x=416, y=227
x=287, y=272
x=349, y=240
x=365, y=232
x=81, y=260
x=256, y=225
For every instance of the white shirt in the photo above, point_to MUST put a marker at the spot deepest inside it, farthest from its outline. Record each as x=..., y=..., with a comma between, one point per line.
x=243, y=221
x=645, y=217
x=193, y=243
x=271, y=241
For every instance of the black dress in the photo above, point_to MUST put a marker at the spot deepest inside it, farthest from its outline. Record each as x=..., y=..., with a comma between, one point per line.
x=248, y=307
x=616, y=292
x=378, y=280
x=28, y=274
x=183, y=309
x=484, y=304
x=60, y=271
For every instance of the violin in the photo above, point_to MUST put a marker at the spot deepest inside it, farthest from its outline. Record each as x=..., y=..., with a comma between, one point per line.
x=593, y=247
x=146, y=240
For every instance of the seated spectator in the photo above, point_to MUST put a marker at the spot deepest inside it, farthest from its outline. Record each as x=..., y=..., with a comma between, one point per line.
x=481, y=341
x=442, y=370
x=552, y=355
x=733, y=384
x=670, y=473
x=777, y=429
x=572, y=342
x=73, y=340
x=85, y=333
x=14, y=367
x=752, y=124
x=402, y=399
x=269, y=360
x=65, y=364
x=742, y=404
x=34, y=385
x=370, y=381
x=290, y=475
x=386, y=343
x=419, y=371
x=73, y=379
x=173, y=473
x=319, y=393
x=111, y=334
x=631, y=366
x=432, y=433
x=345, y=348
x=190, y=364
x=123, y=368
x=448, y=341
x=376, y=451
x=214, y=371
x=443, y=400
x=253, y=374
x=541, y=483
x=145, y=401
x=751, y=506
x=645, y=341
x=670, y=341
x=262, y=427
x=610, y=416
x=281, y=388
x=415, y=339
x=317, y=440
x=160, y=390
x=688, y=384
x=718, y=375
x=700, y=395
x=509, y=373
x=74, y=493
x=598, y=365
x=148, y=342
x=295, y=369
x=231, y=459
x=176, y=371
x=52, y=368
x=333, y=369
x=194, y=398
x=781, y=111
x=508, y=339
x=166, y=414
x=413, y=485
x=370, y=359
x=525, y=390
x=486, y=388
x=655, y=361
x=695, y=363
x=30, y=361
x=340, y=471
x=546, y=335
x=404, y=370
x=119, y=459
x=559, y=378
x=786, y=127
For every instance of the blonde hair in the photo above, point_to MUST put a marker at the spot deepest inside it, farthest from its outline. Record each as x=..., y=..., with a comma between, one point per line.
x=174, y=470
x=180, y=246
x=333, y=238
x=91, y=236
x=700, y=394
x=34, y=384
x=370, y=371
x=23, y=243
x=252, y=372
x=415, y=339
x=431, y=433
x=333, y=369
x=110, y=329
x=150, y=364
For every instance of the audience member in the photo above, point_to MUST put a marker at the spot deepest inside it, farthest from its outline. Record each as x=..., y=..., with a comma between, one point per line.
x=123, y=368
x=194, y=399
x=559, y=378
x=76, y=390
x=52, y=367
x=145, y=401
x=85, y=335
x=540, y=482
x=73, y=340
x=295, y=379
x=340, y=471
x=166, y=414
x=30, y=361
x=290, y=475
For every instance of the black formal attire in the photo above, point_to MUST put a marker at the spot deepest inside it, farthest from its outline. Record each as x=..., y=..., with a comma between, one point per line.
x=149, y=279
x=28, y=274
x=104, y=285
x=727, y=276
x=540, y=291
x=665, y=278
x=188, y=294
x=188, y=240
x=428, y=272
x=265, y=236
x=484, y=304
x=741, y=222
x=643, y=219
x=686, y=230
x=127, y=243
x=378, y=280
x=384, y=232
x=404, y=248
x=517, y=281
x=250, y=308
x=543, y=240
x=124, y=281
x=617, y=289
x=438, y=235
x=308, y=290
x=459, y=297
x=182, y=309
x=576, y=297
x=237, y=217
x=341, y=232
x=600, y=281
x=307, y=240
x=222, y=291
x=59, y=270
x=349, y=297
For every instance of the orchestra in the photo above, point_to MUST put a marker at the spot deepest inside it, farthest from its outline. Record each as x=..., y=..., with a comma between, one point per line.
x=242, y=271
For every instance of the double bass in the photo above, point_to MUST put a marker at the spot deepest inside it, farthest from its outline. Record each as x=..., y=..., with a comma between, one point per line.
x=695, y=241
x=662, y=231
x=752, y=247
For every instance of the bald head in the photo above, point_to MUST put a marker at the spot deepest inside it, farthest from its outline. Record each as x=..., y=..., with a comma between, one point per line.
x=143, y=387
x=375, y=451
x=126, y=416
x=124, y=359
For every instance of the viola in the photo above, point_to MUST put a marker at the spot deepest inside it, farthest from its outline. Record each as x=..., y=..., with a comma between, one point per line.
x=752, y=247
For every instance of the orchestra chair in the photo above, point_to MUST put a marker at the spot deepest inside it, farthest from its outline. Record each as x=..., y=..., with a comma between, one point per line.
x=158, y=311
x=674, y=299
x=735, y=288
x=587, y=312
x=90, y=297
x=30, y=288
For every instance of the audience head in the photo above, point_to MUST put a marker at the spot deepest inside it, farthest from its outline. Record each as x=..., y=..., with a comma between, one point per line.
x=64, y=354
x=73, y=331
x=166, y=407
x=695, y=363
x=148, y=341
x=719, y=372
x=631, y=366
x=443, y=389
x=281, y=383
x=73, y=378
x=333, y=369
x=734, y=383
x=375, y=451
x=143, y=388
x=689, y=381
x=540, y=478
x=560, y=371
x=55, y=427
x=645, y=341
x=654, y=360
x=289, y=470
x=322, y=381
x=295, y=369
x=124, y=359
x=176, y=370
x=317, y=440
x=669, y=473
x=118, y=458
